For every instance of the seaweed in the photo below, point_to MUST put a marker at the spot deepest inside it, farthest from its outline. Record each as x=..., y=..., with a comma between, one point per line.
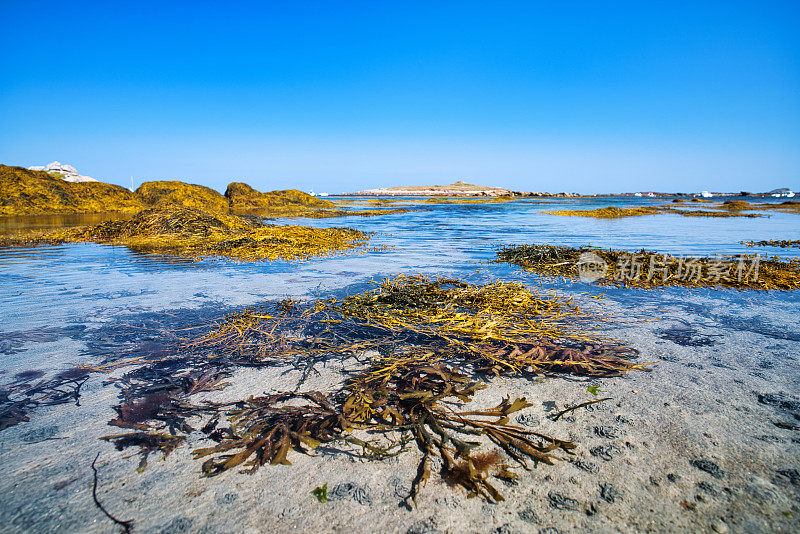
x=36, y=192
x=245, y=199
x=21, y=396
x=148, y=443
x=171, y=194
x=784, y=243
x=194, y=234
x=647, y=269
x=423, y=346
x=610, y=212
x=321, y=493
x=126, y=525
x=613, y=212
x=26, y=192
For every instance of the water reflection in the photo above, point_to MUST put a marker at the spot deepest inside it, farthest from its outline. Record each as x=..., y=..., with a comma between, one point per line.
x=26, y=223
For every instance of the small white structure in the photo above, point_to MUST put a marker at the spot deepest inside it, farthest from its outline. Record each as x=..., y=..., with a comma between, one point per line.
x=66, y=172
x=705, y=194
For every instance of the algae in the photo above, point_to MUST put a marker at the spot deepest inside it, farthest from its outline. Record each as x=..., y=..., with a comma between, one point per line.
x=613, y=212
x=169, y=194
x=26, y=192
x=424, y=345
x=245, y=199
x=610, y=212
x=784, y=243
x=646, y=269
x=194, y=234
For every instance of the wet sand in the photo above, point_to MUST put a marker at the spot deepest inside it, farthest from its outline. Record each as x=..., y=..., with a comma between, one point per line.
x=708, y=441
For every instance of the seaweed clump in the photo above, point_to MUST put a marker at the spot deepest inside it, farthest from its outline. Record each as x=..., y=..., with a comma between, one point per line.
x=611, y=212
x=736, y=205
x=422, y=345
x=783, y=243
x=192, y=233
x=646, y=269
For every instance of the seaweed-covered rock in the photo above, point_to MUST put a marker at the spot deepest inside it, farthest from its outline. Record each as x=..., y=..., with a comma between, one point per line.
x=27, y=192
x=171, y=194
x=245, y=199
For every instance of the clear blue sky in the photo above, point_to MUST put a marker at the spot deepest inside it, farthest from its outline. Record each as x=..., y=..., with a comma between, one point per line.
x=340, y=96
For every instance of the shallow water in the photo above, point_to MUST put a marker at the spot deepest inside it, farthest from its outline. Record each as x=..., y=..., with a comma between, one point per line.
x=719, y=350
x=87, y=283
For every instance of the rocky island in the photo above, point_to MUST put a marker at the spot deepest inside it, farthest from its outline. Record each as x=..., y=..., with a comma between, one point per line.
x=455, y=189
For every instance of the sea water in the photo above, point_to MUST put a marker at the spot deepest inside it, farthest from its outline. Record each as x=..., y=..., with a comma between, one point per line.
x=87, y=285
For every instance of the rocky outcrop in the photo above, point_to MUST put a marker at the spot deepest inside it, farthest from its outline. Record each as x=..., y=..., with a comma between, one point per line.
x=165, y=193
x=65, y=172
x=27, y=192
x=245, y=199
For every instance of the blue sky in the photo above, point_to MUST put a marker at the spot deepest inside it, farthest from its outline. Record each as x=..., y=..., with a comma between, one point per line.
x=341, y=96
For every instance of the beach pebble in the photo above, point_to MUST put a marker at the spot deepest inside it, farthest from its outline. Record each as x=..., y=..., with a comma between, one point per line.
x=708, y=466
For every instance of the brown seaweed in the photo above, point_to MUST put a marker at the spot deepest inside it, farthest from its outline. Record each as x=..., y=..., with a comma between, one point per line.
x=192, y=233
x=423, y=345
x=647, y=269
x=148, y=443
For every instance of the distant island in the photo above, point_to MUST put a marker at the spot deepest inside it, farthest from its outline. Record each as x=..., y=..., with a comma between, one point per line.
x=463, y=189
x=454, y=189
